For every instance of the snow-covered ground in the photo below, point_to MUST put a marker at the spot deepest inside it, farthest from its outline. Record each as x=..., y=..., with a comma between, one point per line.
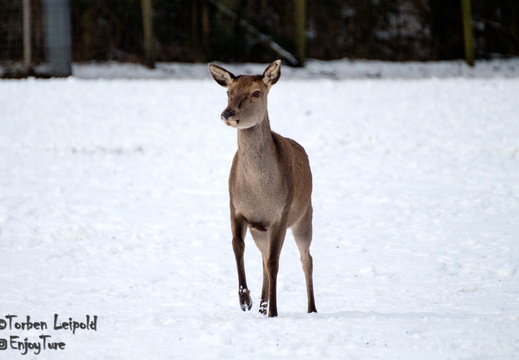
x=113, y=203
x=314, y=69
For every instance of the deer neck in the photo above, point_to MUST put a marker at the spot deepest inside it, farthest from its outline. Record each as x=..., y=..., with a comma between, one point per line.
x=256, y=147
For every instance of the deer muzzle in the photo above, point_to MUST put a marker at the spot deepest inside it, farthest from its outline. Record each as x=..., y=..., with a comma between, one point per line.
x=227, y=114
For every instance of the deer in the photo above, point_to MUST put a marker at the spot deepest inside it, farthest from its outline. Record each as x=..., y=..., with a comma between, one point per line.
x=270, y=185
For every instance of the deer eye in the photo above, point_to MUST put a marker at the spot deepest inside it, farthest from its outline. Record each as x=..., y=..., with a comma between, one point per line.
x=256, y=93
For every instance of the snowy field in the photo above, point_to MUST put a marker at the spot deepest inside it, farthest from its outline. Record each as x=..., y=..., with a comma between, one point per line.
x=114, y=204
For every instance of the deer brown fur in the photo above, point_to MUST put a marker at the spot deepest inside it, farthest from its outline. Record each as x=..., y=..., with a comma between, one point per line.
x=270, y=185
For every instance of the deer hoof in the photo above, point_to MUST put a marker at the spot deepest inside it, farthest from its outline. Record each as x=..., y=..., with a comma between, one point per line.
x=263, y=308
x=245, y=300
x=245, y=303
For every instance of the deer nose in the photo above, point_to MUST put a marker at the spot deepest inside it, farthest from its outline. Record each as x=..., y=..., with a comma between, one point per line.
x=227, y=114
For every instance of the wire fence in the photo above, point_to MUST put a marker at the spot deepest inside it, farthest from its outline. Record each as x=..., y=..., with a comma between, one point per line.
x=199, y=31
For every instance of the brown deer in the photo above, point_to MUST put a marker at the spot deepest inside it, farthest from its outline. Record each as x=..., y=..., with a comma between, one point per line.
x=270, y=185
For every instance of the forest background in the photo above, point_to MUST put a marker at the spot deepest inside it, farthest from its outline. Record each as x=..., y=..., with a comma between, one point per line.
x=197, y=31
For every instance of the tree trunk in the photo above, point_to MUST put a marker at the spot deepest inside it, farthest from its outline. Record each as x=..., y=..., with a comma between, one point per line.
x=300, y=30
x=147, y=21
x=468, y=34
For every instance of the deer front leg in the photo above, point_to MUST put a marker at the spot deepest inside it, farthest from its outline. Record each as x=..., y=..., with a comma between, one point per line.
x=238, y=245
x=260, y=236
x=264, y=303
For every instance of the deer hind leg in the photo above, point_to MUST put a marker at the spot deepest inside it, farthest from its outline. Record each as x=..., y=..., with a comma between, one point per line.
x=239, y=229
x=302, y=231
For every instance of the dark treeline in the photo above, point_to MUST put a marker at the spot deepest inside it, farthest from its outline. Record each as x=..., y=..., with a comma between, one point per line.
x=194, y=30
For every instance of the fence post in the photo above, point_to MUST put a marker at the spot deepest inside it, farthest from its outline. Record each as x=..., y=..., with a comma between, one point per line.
x=468, y=32
x=27, y=37
x=147, y=22
x=300, y=30
x=57, y=36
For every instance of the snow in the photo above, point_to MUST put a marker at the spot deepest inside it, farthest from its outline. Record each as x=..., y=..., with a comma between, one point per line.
x=314, y=69
x=113, y=203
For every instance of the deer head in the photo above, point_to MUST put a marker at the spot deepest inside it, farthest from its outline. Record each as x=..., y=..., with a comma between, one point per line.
x=247, y=95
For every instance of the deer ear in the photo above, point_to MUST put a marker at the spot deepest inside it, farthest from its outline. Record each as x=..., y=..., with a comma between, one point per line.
x=272, y=73
x=221, y=76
